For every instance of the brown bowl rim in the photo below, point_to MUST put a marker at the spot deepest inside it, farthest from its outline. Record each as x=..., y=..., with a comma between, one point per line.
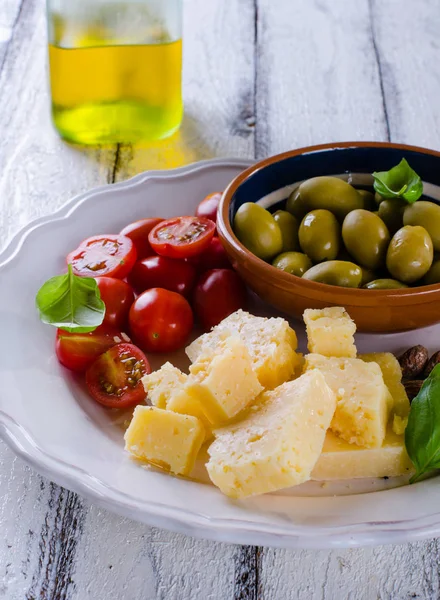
x=424, y=293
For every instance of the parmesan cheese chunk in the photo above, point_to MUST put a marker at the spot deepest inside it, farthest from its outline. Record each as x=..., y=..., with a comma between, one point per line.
x=363, y=399
x=330, y=332
x=279, y=441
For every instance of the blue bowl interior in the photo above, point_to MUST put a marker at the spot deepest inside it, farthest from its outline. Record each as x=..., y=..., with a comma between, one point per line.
x=334, y=161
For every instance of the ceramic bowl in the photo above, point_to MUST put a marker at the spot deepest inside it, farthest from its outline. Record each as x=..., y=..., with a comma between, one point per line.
x=270, y=181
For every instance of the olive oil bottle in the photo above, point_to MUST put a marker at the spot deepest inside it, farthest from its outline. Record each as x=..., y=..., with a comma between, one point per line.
x=115, y=71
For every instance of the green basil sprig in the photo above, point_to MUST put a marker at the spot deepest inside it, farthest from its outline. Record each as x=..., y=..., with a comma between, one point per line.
x=399, y=182
x=71, y=303
x=422, y=435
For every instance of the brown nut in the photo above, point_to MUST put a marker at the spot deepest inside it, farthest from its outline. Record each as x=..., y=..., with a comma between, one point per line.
x=432, y=362
x=413, y=361
x=413, y=387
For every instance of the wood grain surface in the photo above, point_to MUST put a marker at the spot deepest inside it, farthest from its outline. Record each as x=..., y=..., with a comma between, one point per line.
x=260, y=77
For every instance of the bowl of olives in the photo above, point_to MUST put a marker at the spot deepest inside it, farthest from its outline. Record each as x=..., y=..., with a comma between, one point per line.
x=348, y=224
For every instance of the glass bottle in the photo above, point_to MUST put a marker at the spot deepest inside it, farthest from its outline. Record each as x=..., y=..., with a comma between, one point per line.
x=115, y=69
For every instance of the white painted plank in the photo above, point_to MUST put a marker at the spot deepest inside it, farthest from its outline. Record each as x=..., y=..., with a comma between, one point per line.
x=318, y=78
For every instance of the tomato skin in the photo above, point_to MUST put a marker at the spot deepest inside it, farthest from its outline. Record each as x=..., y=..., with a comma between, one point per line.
x=162, y=272
x=208, y=206
x=160, y=320
x=138, y=233
x=214, y=257
x=103, y=255
x=118, y=297
x=182, y=237
x=218, y=293
x=114, y=379
x=77, y=351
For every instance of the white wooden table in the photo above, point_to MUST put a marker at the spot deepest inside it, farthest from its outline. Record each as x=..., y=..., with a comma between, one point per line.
x=260, y=77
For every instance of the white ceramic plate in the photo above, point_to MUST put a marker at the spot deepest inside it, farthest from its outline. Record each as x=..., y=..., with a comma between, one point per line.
x=48, y=419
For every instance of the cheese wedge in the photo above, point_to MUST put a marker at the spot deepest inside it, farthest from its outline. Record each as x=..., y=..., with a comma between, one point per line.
x=271, y=344
x=186, y=404
x=164, y=438
x=222, y=380
x=392, y=376
x=340, y=460
x=330, y=332
x=363, y=399
x=162, y=384
x=279, y=441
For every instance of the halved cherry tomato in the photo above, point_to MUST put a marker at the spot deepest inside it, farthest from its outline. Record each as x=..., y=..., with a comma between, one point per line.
x=182, y=237
x=214, y=257
x=114, y=379
x=160, y=320
x=109, y=255
x=208, y=206
x=77, y=351
x=218, y=293
x=162, y=272
x=117, y=296
x=138, y=233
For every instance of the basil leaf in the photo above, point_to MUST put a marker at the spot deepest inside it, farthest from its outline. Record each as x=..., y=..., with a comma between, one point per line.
x=422, y=435
x=71, y=303
x=399, y=182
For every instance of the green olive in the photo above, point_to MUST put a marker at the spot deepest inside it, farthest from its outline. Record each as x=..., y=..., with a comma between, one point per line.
x=366, y=237
x=433, y=275
x=319, y=235
x=410, y=254
x=256, y=229
x=391, y=213
x=289, y=226
x=378, y=198
x=336, y=272
x=295, y=205
x=427, y=215
x=369, y=202
x=294, y=263
x=384, y=284
x=367, y=276
x=330, y=193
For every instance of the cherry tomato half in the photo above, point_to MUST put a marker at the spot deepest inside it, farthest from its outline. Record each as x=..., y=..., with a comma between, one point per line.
x=182, y=237
x=214, y=257
x=160, y=320
x=117, y=296
x=114, y=379
x=162, y=272
x=77, y=351
x=109, y=255
x=218, y=293
x=208, y=206
x=138, y=233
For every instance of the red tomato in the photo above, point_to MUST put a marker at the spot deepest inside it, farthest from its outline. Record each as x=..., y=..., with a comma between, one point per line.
x=110, y=255
x=117, y=296
x=208, y=207
x=182, y=237
x=138, y=233
x=218, y=293
x=214, y=257
x=160, y=320
x=162, y=272
x=114, y=379
x=77, y=351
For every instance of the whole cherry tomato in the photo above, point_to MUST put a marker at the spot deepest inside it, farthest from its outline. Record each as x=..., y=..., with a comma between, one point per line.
x=182, y=237
x=218, y=293
x=77, y=351
x=103, y=255
x=214, y=257
x=208, y=206
x=138, y=233
x=162, y=272
x=117, y=296
x=160, y=320
x=114, y=379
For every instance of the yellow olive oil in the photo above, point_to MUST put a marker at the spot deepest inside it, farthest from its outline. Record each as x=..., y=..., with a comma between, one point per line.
x=116, y=93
